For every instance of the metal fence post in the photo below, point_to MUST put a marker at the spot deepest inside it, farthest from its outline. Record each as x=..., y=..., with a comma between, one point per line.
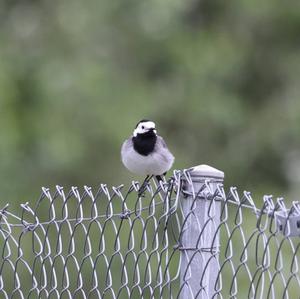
x=200, y=234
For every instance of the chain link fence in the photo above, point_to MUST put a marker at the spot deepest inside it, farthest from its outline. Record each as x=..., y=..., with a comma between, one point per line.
x=184, y=238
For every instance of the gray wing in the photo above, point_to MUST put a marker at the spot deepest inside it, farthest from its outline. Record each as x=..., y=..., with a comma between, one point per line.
x=160, y=142
x=161, y=147
x=126, y=147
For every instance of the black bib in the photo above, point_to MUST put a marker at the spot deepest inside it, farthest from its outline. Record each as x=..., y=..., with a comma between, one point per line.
x=144, y=143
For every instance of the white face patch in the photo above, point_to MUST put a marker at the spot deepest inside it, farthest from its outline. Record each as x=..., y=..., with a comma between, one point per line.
x=144, y=127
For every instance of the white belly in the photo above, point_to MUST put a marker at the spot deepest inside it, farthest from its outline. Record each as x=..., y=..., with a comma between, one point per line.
x=153, y=164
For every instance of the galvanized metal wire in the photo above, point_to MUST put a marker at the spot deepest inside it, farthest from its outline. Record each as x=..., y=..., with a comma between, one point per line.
x=115, y=243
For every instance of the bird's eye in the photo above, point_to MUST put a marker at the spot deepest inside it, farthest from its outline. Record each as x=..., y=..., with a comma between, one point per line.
x=143, y=127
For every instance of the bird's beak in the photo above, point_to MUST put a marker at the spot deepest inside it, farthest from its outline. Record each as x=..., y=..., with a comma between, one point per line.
x=152, y=130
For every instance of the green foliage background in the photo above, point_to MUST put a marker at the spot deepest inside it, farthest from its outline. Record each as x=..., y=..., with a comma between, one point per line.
x=220, y=79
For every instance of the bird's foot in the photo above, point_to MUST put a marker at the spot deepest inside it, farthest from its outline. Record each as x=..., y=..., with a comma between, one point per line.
x=142, y=190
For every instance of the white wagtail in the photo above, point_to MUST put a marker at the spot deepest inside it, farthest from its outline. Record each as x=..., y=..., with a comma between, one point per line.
x=146, y=153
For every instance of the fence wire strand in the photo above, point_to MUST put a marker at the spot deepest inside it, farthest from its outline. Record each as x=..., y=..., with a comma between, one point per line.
x=116, y=243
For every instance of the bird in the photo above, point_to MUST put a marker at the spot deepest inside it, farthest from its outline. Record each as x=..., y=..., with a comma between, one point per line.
x=146, y=153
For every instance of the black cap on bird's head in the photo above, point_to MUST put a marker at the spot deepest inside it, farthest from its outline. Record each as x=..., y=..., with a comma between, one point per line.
x=143, y=121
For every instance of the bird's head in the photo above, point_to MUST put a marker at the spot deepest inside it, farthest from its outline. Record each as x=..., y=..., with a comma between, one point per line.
x=143, y=127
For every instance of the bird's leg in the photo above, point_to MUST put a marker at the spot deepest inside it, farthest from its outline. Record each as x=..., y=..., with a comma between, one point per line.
x=144, y=185
x=160, y=177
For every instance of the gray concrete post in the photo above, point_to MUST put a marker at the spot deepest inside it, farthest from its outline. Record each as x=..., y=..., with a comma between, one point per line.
x=200, y=235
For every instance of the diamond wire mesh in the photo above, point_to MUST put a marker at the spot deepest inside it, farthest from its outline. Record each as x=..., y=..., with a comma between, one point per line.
x=113, y=243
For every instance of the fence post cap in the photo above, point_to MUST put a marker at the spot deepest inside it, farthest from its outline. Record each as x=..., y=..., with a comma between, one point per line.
x=206, y=171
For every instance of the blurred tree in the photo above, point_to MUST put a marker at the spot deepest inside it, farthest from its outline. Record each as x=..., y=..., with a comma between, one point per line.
x=220, y=79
